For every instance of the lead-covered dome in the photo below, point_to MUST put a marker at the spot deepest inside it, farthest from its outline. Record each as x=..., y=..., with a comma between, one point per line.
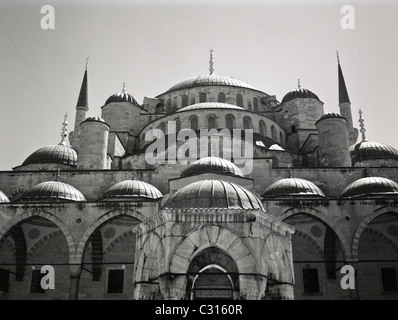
x=293, y=187
x=122, y=97
x=210, y=105
x=213, y=165
x=367, y=150
x=53, y=190
x=299, y=93
x=214, y=194
x=132, y=190
x=371, y=186
x=211, y=80
x=58, y=154
x=3, y=198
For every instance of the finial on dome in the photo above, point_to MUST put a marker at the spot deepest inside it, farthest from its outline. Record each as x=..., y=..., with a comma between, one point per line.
x=338, y=57
x=134, y=174
x=298, y=84
x=64, y=129
x=362, y=125
x=289, y=171
x=211, y=62
x=124, y=87
x=88, y=58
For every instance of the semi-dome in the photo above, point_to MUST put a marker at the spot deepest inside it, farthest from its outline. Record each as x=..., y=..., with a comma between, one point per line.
x=94, y=119
x=211, y=80
x=293, y=187
x=210, y=105
x=367, y=150
x=3, y=198
x=299, y=93
x=53, y=190
x=58, y=154
x=122, y=97
x=214, y=194
x=214, y=165
x=132, y=190
x=371, y=186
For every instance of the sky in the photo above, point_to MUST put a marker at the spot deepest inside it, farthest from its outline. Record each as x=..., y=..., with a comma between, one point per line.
x=152, y=45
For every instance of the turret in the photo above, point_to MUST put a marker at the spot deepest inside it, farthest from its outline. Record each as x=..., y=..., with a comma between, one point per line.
x=93, y=144
x=333, y=141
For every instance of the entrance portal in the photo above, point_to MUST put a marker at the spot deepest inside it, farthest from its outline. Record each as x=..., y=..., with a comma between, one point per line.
x=212, y=274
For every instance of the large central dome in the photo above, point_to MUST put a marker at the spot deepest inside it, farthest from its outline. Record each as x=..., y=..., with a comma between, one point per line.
x=211, y=80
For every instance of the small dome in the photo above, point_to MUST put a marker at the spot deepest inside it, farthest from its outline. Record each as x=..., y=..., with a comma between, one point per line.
x=122, y=97
x=3, y=198
x=371, y=186
x=366, y=150
x=210, y=105
x=94, y=119
x=132, y=190
x=293, y=187
x=53, y=190
x=214, y=194
x=211, y=80
x=214, y=165
x=60, y=154
x=299, y=93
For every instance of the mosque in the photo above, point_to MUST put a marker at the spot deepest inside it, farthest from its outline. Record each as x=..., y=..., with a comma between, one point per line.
x=115, y=226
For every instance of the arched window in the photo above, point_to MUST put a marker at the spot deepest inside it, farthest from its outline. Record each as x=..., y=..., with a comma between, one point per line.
x=239, y=100
x=281, y=138
x=202, y=97
x=247, y=123
x=193, y=100
x=249, y=106
x=221, y=97
x=255, y=103
x=168, y=105
x=211, y=122
x=184, y=101
x=230, y=122
x=162, y=126
x=159, y=108
x=273, y=133
x=193, y=123
x=177, y=125
x=263, y=128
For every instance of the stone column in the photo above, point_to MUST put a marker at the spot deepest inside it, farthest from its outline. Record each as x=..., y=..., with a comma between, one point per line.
x=75, y=272
x=281, y=292
x=252, y=287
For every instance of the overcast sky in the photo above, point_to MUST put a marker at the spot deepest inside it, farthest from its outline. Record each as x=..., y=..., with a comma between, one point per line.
x=152, y=45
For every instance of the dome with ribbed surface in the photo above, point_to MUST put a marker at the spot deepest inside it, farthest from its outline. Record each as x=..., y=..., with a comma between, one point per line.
x=3, y=198
x=214, y=194
x=211, y=80
x=214, y=165
x=132, y=190
x=367, y=150
x=53, y=190
x=210, y=105
x=59, y=154
x=122, y=97
x=293, y=187
x=299, y=93
x=94, y=119
x=371, y=186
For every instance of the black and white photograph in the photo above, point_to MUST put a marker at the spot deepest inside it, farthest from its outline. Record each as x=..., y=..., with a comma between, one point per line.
x=211, y=150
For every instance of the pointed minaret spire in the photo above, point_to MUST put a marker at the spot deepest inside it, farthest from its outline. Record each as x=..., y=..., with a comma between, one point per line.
x=83, y=96
x=64, y=132
x=211, y=69
x=362, y=125
x=343, y=93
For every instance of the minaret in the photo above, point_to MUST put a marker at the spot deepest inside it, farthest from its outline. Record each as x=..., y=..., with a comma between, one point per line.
x=345, y=106
x=81, y=111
